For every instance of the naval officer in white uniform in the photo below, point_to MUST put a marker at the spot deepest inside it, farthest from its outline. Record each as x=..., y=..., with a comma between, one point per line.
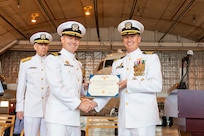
x=64, y=75
x=140, y=80
x=33, y=89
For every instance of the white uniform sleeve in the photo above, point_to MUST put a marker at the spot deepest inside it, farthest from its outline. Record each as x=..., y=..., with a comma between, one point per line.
x=21, y=88
x=101, y=102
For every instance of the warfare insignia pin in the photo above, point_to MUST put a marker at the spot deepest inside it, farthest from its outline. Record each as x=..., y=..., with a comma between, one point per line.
x=67, y=63
x=120, y=66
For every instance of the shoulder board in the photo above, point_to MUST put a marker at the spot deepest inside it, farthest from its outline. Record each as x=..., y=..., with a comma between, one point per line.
x=148, y=52
x=26, y=59
x=55, y=53
x=122, y=57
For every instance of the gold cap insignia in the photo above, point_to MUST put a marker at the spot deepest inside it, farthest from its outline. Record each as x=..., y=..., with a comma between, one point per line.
x=128, y=25
x=43, y=36
x=75, y=27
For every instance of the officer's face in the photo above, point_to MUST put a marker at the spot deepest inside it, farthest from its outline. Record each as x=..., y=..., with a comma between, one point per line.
x=131, y=42
x=41, y=49
x=70, y=43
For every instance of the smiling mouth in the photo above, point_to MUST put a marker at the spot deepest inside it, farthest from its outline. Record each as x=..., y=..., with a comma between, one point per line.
x=129, y=44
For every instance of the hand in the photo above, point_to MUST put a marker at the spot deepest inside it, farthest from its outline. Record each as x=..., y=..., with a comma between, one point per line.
x=122, y=84
x=20, y=115
x=86, y=105
x=93, y=103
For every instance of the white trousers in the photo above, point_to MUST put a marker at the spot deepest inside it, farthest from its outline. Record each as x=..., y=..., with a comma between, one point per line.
x=32, y=126
x=62, y=130
x=144, y=131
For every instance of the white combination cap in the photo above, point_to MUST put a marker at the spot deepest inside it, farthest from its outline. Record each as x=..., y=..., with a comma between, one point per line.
x=71, y=28
x=41, y=37
x=128, y=27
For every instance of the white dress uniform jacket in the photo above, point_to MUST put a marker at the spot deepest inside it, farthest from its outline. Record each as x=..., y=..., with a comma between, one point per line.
x=33, y=89
x=138, y=103
x=65, y=80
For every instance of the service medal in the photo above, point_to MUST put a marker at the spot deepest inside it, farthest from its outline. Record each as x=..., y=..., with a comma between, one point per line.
x=139, y=67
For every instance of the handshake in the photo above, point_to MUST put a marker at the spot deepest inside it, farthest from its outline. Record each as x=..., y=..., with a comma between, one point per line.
x=87, y=105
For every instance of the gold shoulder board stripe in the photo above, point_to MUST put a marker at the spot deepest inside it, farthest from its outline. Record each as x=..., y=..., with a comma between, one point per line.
x=55, y=53
x=26, y=59
x=148, y=52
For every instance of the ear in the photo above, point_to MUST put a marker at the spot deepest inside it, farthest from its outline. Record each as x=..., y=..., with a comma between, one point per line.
x=62, y=39
x=139, y=39
x=35, y=46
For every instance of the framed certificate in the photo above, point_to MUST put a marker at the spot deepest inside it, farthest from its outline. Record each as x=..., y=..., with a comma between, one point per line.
x=103, y=85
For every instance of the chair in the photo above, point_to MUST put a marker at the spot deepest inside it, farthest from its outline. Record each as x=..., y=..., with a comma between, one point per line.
x=100, y=122
x=6, y=121
x=22, y=133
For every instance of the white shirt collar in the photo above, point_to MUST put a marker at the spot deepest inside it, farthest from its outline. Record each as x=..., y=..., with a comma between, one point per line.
x=134, y=53
x=67, y=53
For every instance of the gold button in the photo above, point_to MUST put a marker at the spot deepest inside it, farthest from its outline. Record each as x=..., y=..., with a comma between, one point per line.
x=142, y=79
x=41, y=78
x=42, y=88
x=42, y=69
x=126, y=91
x=129, y=58
x=134, y=78
x=126, y=103
x=127, y=68
x=42, y=97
